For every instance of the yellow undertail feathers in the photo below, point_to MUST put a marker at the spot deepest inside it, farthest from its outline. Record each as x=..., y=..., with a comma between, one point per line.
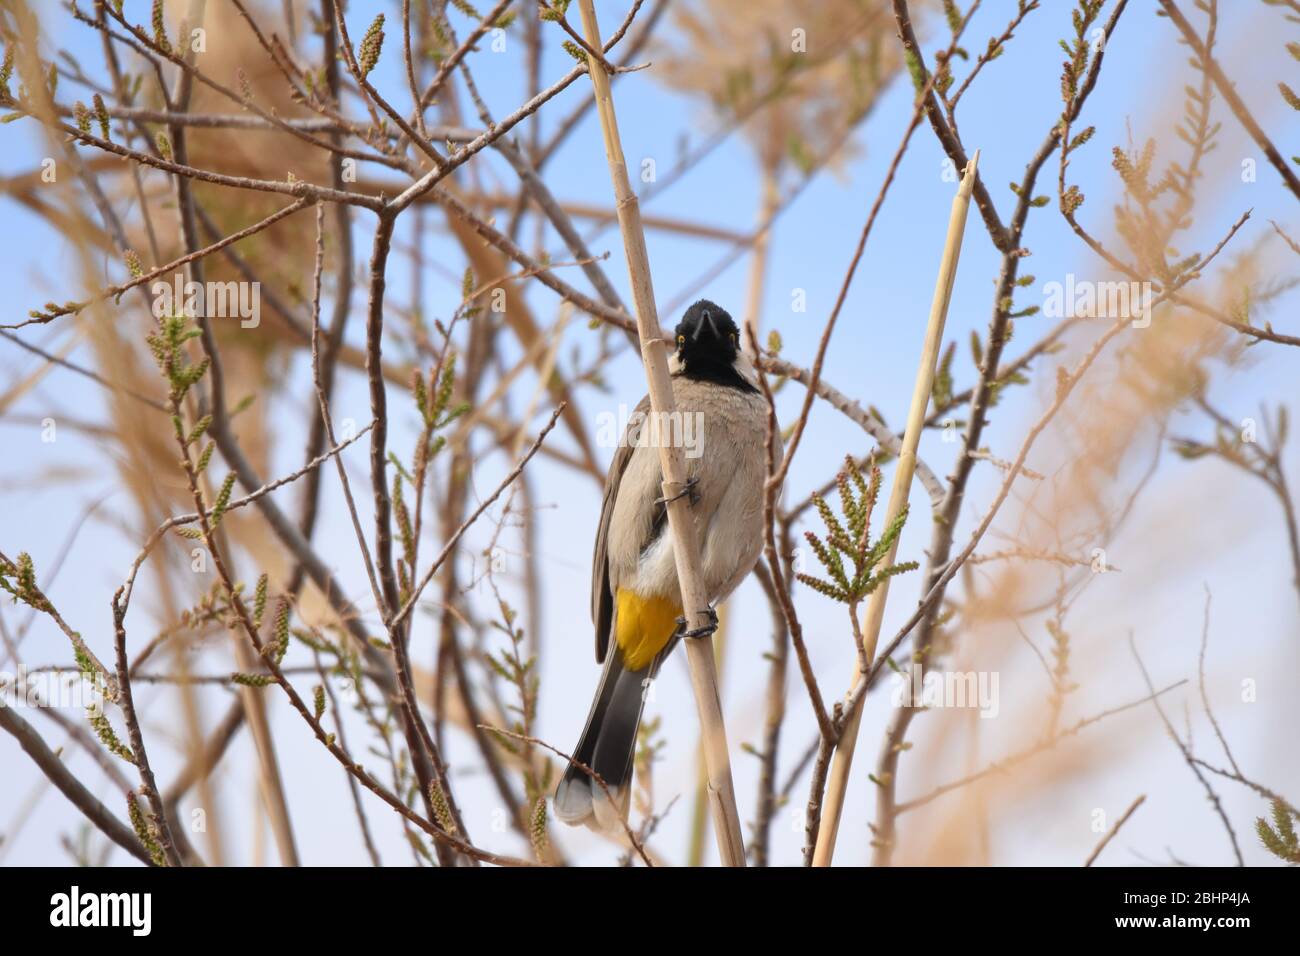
x=642, y=626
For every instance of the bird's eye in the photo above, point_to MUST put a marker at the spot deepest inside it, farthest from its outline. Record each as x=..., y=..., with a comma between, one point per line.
x=733, y=338
x=681, y=340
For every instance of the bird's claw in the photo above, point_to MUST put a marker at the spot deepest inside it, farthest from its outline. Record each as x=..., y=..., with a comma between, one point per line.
x=698, y=632
x=687, y=489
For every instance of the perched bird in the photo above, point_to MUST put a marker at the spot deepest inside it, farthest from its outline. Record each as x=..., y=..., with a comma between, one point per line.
x=635, y=599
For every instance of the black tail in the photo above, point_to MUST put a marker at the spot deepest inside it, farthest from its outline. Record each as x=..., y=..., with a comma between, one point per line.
x=607, y=745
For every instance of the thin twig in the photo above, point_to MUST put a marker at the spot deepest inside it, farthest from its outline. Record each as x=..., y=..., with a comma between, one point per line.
x=1110, y=834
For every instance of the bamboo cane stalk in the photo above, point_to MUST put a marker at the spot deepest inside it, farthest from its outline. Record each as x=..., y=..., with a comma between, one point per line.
x=837, y=784
x=681, y=524
x=700, y=804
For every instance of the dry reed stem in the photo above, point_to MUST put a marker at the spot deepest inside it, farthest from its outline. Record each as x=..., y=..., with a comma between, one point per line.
x=843, y=760
x=681, y=524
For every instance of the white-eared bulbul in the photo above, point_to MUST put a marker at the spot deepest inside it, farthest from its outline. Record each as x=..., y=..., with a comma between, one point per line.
x=635, y=599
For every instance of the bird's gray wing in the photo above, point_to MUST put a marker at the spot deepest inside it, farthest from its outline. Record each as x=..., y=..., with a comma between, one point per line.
x=602, y=596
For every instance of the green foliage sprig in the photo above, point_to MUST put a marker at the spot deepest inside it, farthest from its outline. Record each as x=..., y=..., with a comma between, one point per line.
x=159, y=27
x=553, y=12
x=1280, y=839
x=259, y=599
x=252, y=680
x=166, y=344
x=6, y=74
x=103, y=729
x=537, y=828
x=518, y=670
x=145, y=830
x=276, y=649
x=372, y=44
x=848, y=538
x=101, y=116
x=23, y=584
x=441, y=809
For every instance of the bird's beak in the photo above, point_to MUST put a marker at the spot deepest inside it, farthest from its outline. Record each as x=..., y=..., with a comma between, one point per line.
x=708, y=317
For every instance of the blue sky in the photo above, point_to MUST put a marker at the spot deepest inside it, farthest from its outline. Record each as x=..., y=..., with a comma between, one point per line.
x=1197, y=523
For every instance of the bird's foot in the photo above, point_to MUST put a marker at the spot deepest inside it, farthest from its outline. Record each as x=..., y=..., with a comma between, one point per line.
x=705, y=631
x=687, y=489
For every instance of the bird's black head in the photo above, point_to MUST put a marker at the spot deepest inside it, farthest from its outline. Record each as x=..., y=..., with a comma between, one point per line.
x=708, y=343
